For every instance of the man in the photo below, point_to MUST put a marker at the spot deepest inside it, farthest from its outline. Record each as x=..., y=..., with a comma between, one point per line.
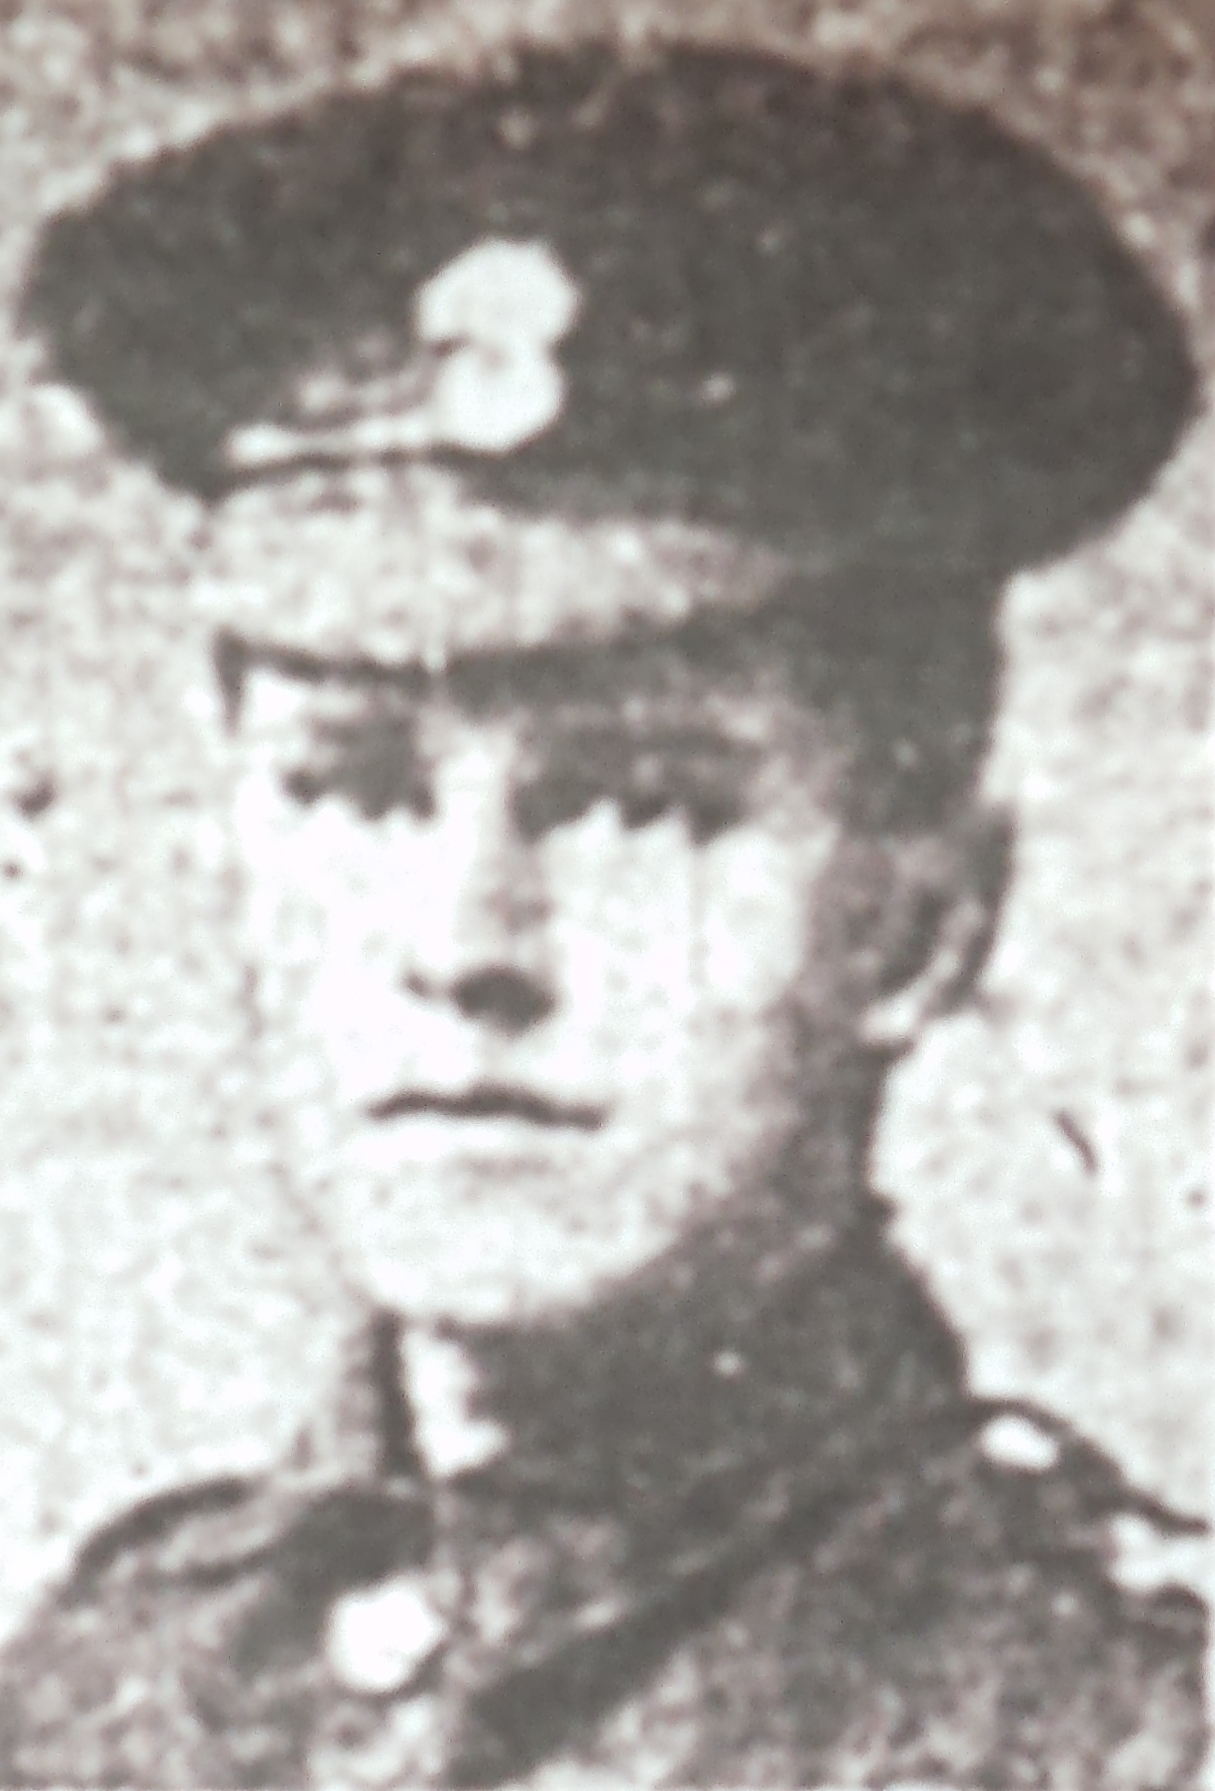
x=606, y=475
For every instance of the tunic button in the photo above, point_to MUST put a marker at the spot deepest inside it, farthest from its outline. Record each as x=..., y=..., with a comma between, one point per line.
x=380, y=1638
x=1011, y=1441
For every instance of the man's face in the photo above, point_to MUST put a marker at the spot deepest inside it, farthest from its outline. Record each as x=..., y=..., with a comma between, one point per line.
x=545, y=955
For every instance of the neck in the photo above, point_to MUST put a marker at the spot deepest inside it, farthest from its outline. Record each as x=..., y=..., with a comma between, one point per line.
x=787, y=1314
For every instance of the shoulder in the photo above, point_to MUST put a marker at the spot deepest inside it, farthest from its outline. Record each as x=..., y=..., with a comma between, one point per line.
x=1008, y=1500
x=182, y=1645
x=1030, y=1489
x=1096, y=1619
x=1009, y=1595
x=999, y=1502
x=96, y=1683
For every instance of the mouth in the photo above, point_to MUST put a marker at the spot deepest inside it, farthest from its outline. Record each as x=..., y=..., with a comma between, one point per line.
x=490, y=1101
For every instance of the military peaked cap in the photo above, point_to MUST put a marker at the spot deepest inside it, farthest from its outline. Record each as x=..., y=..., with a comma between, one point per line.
x=835, y=317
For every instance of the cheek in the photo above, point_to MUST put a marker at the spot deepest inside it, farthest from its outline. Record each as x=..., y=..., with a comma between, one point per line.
x=310, y=896
x=617, y=902
x=650, y=917
x=756, y=909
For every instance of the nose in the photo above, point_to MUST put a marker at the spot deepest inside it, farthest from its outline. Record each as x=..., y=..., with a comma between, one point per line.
x=476, y=939
x=506, y=999
x=510, y=999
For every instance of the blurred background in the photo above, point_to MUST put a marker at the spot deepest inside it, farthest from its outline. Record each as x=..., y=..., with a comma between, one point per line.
x=162, y=1313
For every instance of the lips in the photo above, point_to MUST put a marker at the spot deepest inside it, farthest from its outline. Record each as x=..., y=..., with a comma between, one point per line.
x=490, y=1101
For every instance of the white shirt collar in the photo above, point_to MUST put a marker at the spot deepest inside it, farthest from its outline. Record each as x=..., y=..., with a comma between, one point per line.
x=444, y=1386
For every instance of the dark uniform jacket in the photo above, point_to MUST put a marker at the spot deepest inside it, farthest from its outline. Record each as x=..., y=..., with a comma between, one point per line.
x=761, y=1541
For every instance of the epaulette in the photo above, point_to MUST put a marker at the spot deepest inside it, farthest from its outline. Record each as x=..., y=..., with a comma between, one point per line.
x=1062, y=1495
x=221, y=1515
x=210, y=1532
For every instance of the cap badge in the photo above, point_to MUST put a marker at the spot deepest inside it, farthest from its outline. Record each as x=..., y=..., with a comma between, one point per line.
x=484, y=378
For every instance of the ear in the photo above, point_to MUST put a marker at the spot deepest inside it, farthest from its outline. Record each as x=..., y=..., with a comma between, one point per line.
x=944, y=893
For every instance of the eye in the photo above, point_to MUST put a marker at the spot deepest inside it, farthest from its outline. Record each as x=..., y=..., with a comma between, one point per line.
x=555, y=797
x=374, y=765
x=707, y=787
x=713, y=806
x=707, y=781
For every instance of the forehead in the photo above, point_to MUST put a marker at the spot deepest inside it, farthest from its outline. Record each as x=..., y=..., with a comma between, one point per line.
x=401, y=567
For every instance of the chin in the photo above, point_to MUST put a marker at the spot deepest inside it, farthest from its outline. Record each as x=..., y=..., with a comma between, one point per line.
x=474, y=1293
x=522, y=1248
x=520, y=1228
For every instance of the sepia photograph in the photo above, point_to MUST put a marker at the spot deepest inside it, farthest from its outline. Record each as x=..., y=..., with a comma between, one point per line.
x=605, y=893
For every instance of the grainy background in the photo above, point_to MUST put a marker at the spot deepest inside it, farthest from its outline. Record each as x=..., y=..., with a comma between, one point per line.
x=163, y=1313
